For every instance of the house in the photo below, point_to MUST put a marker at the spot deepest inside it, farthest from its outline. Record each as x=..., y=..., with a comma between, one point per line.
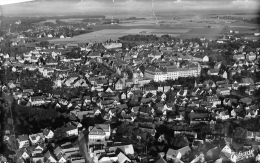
x=37, y=159
x=205, y=59
x=23, y=141
x=71, y=130
x=223, y=74
x=246, y=82
x=223, y=115
x=60, y=154
x=177, y=153
x=36, y=138
x=37, y=100
x=123, y=96
x=239, y=57
x=61, y=158
x=223, y=91
x=213, y=72
x=250, y=135
x=122, y=158
x=214, y=100
x=38, y=149
x=99, y=132
x=25, y=155
x=257, y=136
x=251, y=56
x=119, y=85
x=198, y=117
x=49, y=157
x=161, y=160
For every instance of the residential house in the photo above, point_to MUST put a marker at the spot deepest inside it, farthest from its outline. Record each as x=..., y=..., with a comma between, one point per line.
x=161, y=160
x=246, y=82
x=23, y=141
x=122, y=158
x=251, y=56
x=119, y=85
x=49, y=157
x=71, y=130
x=59, y=153
x=214, y=72
x=223, y=91
x=99, y=132
x=223, y=115
x=257, y=136
x=37, y=100
x=214, y=100
x=239, y=57
x=171, y=154
x=205, y=59
x=123, y=96
x=38, y=149
x=37, y=138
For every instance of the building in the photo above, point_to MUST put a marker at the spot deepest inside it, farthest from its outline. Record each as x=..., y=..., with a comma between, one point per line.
x=99, y=132
x=156, y=74
x=23, y=141
x=172, y=72
x=36, y=138
x=71, y=130
x=223, y=91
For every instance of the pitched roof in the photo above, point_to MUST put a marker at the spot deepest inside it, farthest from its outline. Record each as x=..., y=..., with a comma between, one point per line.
x=161, y=160
x=69, y=127
x=99, y=129
x=57, y=151
x=172, y=152
x=122, y=158
x=23, y=137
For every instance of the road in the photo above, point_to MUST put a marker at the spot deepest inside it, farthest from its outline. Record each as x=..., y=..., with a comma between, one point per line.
x=83, y=147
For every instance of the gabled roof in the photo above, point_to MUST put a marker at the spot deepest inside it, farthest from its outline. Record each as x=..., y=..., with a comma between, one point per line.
x=23, y=137
x=184, y=150
x=99, y=129
x=57, y=151
x=172, y=152
x=122, y=158
x=161, y=160
x=122, y=106
x=70, y=127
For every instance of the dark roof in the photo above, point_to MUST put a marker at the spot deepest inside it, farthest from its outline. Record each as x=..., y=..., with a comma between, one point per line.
x=23, y=137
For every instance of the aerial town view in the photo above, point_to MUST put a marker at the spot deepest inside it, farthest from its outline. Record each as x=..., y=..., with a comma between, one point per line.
x=129, y=81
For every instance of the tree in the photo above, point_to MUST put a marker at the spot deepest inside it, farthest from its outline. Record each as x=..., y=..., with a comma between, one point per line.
x=179, y=141
x=59, y=134
x=44, y=85
x=39, y=161
x=240, y=133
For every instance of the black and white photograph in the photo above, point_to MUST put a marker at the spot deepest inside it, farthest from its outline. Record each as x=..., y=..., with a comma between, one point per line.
x=129, y=81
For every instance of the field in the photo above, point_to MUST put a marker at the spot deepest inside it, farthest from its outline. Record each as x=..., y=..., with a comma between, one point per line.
x=114, y=34
x=191, y=26
x=74, y=20
x=209, y=33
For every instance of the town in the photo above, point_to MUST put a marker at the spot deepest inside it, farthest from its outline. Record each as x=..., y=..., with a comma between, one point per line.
x=142, y=98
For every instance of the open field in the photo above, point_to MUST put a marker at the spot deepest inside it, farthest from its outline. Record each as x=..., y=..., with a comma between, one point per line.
x=114, y=34
x=185, y=27
x=209, y=33
x=74, y=20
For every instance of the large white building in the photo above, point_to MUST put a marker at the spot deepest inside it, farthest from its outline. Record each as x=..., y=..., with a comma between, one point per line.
x=172, y=72
x=99, y=132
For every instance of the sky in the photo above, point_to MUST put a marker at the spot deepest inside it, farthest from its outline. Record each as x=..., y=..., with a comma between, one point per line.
x=129, y=6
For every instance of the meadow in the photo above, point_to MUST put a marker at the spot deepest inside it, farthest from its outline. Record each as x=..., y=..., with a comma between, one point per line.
x=186, y=27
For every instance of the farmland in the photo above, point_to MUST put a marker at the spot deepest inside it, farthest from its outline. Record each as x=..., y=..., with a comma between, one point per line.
x=190, y=26
x=114, y=34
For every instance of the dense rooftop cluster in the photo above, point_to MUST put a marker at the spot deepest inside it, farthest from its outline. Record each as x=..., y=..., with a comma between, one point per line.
x=166, y=101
